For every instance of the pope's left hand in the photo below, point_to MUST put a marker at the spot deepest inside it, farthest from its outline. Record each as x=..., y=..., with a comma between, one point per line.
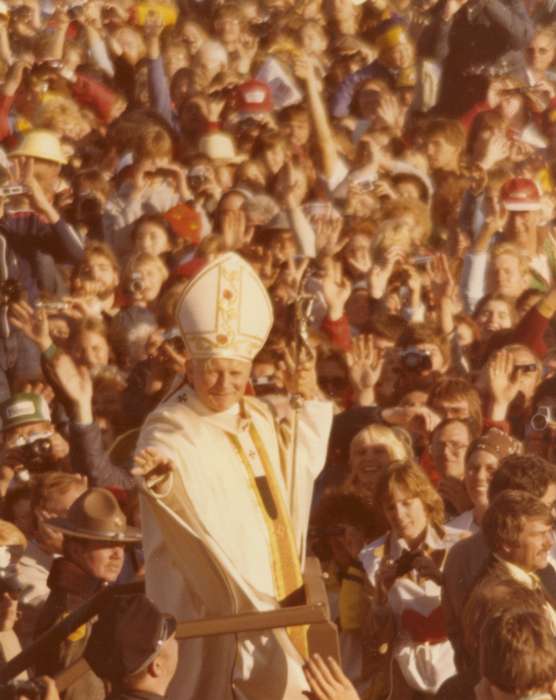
x=300, y=378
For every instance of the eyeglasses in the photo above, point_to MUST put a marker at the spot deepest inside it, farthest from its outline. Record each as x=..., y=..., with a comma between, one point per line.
x=528, y=369
x=452, y=446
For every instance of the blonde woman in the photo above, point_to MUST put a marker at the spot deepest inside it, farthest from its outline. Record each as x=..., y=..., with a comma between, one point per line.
x=370, y=452
x=404, y=572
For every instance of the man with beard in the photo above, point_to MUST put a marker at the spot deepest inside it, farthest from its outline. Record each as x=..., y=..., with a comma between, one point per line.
x=99, y=277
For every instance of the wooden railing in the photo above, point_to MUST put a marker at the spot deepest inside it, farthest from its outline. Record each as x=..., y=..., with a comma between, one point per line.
x=322, y=632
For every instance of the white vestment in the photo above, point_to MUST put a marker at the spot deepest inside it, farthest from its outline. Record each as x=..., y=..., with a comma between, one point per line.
x=206, y=544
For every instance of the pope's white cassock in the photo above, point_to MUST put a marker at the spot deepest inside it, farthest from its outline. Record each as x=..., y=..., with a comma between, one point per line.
x=226, y=533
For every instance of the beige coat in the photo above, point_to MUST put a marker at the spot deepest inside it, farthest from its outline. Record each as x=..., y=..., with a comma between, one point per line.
x=206, y=543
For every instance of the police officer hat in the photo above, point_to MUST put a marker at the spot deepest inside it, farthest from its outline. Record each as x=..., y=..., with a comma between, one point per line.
x=127, y=636
x=96, y=515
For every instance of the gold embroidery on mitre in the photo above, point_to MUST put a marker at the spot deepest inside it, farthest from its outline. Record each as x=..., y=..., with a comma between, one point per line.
x=226, y=337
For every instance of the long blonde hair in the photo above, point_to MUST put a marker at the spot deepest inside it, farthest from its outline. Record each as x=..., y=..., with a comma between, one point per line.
x=398, y=446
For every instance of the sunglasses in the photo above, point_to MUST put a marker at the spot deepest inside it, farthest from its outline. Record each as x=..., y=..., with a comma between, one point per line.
x=526, y=368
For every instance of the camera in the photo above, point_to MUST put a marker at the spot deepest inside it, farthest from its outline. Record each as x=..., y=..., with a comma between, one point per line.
x=10, y=584
x=365, y=185
x=136, y=283
x=35, y=689
x=11, y=292
x=405, y=562
x=197, y=177
x=416, y=360
x=52, y=306
x=543, y=416
x=87, y=209
x=173, y=339
x=36, y=455
x=421, y=260
x=7, y=191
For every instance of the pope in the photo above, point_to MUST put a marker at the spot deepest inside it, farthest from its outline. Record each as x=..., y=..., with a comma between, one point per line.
x=226, y=493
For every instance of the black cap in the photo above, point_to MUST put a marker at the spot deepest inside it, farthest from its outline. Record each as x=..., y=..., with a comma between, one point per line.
x=127, y=636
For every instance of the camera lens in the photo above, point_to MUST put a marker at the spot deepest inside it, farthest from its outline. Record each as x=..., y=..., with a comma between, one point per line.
x=412, y=360
x=539, y=421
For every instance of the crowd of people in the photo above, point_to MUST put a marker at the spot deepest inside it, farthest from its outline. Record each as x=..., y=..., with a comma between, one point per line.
x=278, y=280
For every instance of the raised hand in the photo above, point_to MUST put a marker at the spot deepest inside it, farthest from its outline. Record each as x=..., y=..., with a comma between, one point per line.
x=294, y=186
x=503, y=388
x=327, y=680
x=389, y=110
x=75, y=381
x=32, y=323
x=299, y=377
x=380, y=273
x=233, y=225
x=365, y=366
x=420, y=419
x=327, y=226
x=443, y=284
x=335, y=289
x=36, y=192
x=40, y=388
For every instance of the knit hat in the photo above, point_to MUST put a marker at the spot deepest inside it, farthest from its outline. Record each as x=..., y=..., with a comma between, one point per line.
x=497, y=443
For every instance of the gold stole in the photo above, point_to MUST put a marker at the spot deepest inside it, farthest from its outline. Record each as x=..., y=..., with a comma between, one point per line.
x=286, y=569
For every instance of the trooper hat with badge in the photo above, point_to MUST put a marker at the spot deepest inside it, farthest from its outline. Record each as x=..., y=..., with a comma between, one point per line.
x=96, y=515
x=132, y=645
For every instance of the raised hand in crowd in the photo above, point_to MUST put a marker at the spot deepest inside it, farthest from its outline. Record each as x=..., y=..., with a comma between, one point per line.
x=381, y=271
x=502, y=384
x=365, y=364
x=335, y=287
x=32, y=322
x=327, y=680
x=233, y=225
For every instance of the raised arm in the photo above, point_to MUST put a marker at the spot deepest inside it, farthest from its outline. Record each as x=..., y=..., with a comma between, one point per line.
x=306, y=71
x=512, y=17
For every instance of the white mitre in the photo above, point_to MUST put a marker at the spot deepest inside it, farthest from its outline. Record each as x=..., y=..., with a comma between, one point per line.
x=225, y=311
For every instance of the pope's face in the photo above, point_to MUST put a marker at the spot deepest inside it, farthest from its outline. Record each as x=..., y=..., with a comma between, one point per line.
x=219, y=383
